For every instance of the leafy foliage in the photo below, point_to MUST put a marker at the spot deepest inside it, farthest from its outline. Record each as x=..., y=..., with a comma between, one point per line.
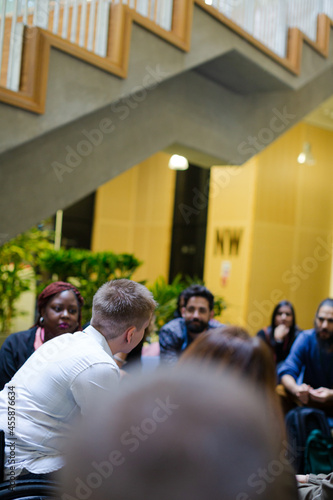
x=166, y=295
x=16, y=257
x=86, y=270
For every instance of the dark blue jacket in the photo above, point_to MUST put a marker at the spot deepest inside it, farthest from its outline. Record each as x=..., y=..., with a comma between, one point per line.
x=15, y=350
x=173, y=339
x=306, y=355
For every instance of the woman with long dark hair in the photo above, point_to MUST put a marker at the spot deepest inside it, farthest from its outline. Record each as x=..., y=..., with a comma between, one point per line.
x=282, y=332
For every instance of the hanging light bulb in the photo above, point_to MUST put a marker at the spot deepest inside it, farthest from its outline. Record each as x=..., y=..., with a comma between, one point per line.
x=177, y=162
x=306, y=157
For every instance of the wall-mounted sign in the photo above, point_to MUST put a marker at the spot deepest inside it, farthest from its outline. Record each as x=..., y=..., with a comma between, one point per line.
x=227, y=241
x=225, y=272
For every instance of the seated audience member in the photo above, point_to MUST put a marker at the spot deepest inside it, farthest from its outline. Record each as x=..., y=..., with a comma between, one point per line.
x=312, y=352
x=59, y=311
x=197, y=317
x=315, y=487
x=181, y=435
x=282, y=332
x=69, y=376
x=233, y=347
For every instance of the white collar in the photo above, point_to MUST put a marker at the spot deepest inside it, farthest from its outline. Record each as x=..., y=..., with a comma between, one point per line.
x=92, y=332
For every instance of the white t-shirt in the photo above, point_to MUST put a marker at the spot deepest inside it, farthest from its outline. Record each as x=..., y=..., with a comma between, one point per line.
x=67, y=376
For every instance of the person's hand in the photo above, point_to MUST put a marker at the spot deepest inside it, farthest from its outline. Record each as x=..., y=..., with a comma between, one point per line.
x=280, y=332
x=301, y=478
x=302, y=393
x=321, y=395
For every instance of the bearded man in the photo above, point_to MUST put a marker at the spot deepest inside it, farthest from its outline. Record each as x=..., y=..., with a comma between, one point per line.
x=312, y=352
x=197, y=317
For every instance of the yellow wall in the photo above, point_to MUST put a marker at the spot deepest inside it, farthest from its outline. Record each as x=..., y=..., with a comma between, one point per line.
x=231, y=200
x=133, y=214
x=287, y=212
x=281, y=213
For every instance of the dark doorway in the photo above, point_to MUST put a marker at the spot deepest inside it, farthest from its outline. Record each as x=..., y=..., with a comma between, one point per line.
x=189, y=223
x=77, y=223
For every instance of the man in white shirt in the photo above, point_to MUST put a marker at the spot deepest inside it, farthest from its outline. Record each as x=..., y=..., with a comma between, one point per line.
x=69, y=376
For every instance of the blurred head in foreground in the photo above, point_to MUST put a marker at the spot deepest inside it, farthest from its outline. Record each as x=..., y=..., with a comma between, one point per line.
x=179, y=436
x=249, y=357
x=232, y=346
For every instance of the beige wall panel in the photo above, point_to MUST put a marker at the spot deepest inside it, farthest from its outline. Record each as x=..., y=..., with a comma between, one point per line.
x=271, y=259
x=114, y=199
x=228, y=186
x=284, y=208
x=230, y=212
x=113, y=237
x=133, y=214
x=316, y=181
x=295, y=203
x=308, y=278
x=276, y=198
x=154, y=250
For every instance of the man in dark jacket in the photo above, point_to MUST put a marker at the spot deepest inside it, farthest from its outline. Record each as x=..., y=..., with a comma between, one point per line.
x=312, y=353
x=197, y=317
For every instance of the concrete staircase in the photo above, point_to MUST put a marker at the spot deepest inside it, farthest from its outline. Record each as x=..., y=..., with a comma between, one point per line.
x=220, y=103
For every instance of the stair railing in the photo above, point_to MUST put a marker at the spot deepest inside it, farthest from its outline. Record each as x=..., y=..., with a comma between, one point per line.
x=82, y=22
x=86, y=23
x=269, y=21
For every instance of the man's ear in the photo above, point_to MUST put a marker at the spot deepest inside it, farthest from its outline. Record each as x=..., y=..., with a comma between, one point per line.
x=211, y=314
x=129, y=334
x=183, y=310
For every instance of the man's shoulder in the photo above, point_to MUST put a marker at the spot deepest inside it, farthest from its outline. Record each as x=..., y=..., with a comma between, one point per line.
x=306, y=339
x=307, y=335
x=77, y=340
x=214, y=323
x=173, y=332
x=77, y=344
x=73, y=351
x=174, y=325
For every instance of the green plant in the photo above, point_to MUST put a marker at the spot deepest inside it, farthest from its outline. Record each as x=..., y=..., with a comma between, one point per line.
x=86, y=270
x=166, y=295
x=17, y=257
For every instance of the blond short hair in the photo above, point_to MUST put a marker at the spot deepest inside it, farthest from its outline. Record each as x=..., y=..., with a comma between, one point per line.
x=120, y=304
